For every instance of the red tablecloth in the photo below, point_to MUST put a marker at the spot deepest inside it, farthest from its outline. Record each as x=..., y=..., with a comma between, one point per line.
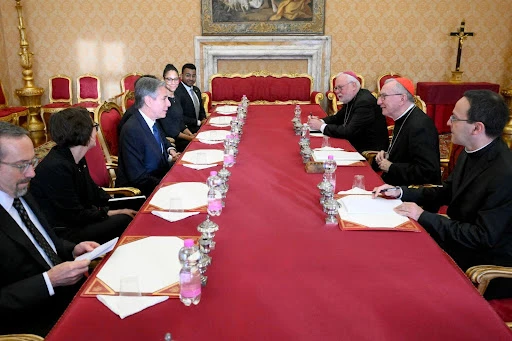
x=279, y=273
x=441, y=97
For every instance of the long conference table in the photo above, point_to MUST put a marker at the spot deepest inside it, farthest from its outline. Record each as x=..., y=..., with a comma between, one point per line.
x=280, y=273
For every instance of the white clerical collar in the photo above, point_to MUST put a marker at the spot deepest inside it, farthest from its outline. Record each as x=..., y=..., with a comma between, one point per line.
x=474, y=151
x=405, y=112
x=149, y=121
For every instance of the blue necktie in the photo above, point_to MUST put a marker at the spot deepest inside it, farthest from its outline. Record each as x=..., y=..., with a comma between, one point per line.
x=156, y=134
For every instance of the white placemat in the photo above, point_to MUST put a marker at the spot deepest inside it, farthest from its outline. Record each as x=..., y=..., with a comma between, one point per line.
x=191, y=194
x=208, y=156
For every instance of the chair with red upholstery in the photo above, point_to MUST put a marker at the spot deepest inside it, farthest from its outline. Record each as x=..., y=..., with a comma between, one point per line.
x=334, y=104
x=60, y=95
x=10, y=114
x=383, y=78
x=108, y=116
x=127, y=84
x=88, y=92
x=127, y=100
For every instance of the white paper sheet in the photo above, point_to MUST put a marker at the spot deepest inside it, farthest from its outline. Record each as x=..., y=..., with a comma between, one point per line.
x=213, y=135
x=153, y=260
x=199, y=167
x=210, y=156
x=226, y=109
x=326, y=149
x=316, y=134
x=99, y=251
x=221, y=120
x=339, y=155
x=363, y=210
x=356, y=190
x=192, y=195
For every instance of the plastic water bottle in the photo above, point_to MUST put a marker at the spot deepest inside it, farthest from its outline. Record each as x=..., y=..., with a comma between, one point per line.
x=190, y=277
x=229, y=156
x=214, y=194
x=298, y=111
x=330, y=170
x=304, y=132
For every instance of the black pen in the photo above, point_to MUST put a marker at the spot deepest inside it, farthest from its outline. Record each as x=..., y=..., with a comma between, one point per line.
x=387, y=189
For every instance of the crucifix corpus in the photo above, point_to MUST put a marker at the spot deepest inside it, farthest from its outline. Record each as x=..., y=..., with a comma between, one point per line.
x=461, y=35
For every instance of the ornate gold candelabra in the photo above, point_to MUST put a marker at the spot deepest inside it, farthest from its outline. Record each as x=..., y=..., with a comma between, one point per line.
x=29, y=95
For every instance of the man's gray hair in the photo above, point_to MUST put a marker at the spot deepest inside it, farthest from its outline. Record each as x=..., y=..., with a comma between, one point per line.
x=399, y=88
x=350, y=79
x=146, y=86
x=12, y=131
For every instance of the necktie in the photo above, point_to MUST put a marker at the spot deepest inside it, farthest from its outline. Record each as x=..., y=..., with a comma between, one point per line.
x=54, y=258
x=196, y=102
x=156, y=134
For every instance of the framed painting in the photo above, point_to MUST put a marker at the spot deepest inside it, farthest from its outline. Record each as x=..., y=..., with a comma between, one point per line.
x=263, y=17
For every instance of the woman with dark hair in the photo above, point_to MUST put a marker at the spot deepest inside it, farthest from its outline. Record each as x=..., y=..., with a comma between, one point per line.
x=64, y=188
x=173, y=124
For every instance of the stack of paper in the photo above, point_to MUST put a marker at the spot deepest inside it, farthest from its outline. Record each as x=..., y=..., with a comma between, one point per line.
x=213, y=136
x=226, y=109
x=203, y=156
x=369, y=212
x=221, y=121
x=192, y=195
x=341, y=157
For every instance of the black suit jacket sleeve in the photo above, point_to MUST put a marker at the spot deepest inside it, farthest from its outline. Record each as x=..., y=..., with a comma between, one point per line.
x=362, y=116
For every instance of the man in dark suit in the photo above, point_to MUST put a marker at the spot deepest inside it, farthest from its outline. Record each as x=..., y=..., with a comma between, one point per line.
x=144, y=153
x=360, y=120
x=190, y=99
x=39, y=277
x=412, y=157
x=478, y=192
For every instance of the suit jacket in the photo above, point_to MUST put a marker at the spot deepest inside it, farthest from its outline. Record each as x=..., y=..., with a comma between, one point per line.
x=66, y=192
x=414, y=151
x=25, y=305
x=142, y=164
x=365, y=128
x=479, y=230
x=189, y=111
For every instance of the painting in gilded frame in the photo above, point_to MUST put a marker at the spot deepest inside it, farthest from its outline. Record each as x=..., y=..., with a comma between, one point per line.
x=263, y=17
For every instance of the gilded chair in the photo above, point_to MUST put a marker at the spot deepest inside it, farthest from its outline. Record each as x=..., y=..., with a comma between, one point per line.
x=481, y=275
x=102, y=170
x=334, y=104
x=20, y=337
x=88, y=92
x=60, y=96
x=8, y=113
x=108, y=116
x=127, y=100
x=127, y=84
x=383, y=78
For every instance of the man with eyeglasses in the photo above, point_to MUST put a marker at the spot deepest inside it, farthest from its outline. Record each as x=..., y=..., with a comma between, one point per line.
x=359, y=120
x=412, y=157
x=39, y=277
x=478, y=229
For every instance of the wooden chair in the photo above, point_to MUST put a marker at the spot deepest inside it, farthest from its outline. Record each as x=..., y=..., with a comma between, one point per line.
x=127, y=100
x=20, y=337
x=60, y=96
x=8, y=113
x=88, y=92
x=481, y=275
x=334, y=104
x=383, y=78
x=108, y=116
x=127, y=84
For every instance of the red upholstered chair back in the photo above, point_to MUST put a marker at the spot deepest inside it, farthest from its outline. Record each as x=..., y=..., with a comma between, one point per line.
x=383, y=78
x=108, y=115
x=127, y=100
x=97, y=166
x=128, y=81
x=261, y=88
x=88, y=88
x=60, y=89
x=3, y=98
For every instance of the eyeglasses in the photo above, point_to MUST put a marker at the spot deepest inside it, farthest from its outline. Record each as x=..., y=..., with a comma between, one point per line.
x=23, y=166
x=454, y=118
x=383, y=96
x=96, y=125
x=172, y=80
x=340, y=87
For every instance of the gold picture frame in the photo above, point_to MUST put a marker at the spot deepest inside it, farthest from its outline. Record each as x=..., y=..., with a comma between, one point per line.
x=263, y=17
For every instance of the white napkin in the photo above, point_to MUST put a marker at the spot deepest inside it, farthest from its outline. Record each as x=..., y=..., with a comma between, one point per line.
x=199, y=167
x=128, y=305
x=173, y=216
x=355, y=190
x=328, y=148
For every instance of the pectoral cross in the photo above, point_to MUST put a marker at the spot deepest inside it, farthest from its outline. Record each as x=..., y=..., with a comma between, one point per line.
x=461, y=35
